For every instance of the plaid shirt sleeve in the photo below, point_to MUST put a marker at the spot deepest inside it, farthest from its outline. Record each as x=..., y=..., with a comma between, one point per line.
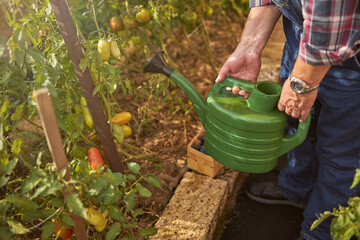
x=258, y=3
x=331, y=31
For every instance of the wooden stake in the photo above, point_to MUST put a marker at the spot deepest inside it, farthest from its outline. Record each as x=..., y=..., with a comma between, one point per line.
x=68, y=31
x=55, y=144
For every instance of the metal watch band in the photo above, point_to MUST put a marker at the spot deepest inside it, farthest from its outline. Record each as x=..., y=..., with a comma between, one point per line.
x=305, y=88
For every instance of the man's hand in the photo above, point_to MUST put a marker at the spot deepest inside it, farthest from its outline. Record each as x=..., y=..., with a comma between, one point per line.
x=295, y=104
x=240, y=65
x=299, y=105
x=245, y=62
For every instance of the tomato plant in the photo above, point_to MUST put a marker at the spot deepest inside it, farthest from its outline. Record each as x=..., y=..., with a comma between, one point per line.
x=116, y=38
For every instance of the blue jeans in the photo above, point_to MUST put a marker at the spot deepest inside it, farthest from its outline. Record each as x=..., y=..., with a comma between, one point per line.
x=321, y=170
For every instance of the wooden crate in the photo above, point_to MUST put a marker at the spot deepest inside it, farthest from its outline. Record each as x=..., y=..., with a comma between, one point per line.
x=201, y=162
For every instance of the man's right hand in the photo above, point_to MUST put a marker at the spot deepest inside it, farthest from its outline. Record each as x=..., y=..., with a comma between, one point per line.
x=240, y=65
x=245, y=61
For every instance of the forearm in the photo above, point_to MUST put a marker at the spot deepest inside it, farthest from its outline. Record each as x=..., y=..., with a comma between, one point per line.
x=259, y=25
x=310, y=74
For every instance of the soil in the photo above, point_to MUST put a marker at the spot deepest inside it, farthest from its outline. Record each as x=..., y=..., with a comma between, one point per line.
x=168, y=133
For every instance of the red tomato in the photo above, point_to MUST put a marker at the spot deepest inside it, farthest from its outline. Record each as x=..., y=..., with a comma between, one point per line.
x=66, y=233
x=94, y=158
x=116, y=24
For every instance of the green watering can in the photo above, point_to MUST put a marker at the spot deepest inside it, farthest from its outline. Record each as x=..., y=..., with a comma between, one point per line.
x=243, y=134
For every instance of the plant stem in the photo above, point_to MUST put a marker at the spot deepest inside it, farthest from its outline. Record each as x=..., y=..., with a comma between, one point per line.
x=228, y=24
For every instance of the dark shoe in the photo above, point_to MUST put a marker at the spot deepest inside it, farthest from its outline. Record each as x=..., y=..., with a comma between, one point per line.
x=269, y=193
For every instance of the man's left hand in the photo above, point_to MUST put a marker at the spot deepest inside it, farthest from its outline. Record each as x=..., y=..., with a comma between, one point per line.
x=295, y=104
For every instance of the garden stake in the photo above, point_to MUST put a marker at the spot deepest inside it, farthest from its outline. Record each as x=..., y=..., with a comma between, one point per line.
x=71, y=39
x=54, y=141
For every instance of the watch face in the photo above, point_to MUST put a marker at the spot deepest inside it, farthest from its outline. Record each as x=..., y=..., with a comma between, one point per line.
x=297, y=86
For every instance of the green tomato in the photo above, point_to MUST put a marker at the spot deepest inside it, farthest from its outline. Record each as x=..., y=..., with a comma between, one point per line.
x=189, y=17
x=130, y=23
x=209, y=11
x=104, y=49
x=143, y=16
x=136, y=40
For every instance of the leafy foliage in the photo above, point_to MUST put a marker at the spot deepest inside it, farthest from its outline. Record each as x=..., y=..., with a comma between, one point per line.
x=346, y=220
x=34, y=56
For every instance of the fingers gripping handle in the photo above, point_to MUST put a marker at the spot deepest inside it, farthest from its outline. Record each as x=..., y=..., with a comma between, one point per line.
x=232, y=82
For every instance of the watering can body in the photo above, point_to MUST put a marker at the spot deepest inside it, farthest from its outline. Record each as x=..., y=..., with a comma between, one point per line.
x=243, y=134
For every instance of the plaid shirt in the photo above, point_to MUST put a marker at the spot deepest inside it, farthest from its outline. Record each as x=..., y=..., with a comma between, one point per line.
x=331, y=30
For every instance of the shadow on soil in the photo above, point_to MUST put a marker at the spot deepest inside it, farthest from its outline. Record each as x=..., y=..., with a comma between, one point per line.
x=249, y=220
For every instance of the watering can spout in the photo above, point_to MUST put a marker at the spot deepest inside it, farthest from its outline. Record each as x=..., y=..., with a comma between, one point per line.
x=157, y=64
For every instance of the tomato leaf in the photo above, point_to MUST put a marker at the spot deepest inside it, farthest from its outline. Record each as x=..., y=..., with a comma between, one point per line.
x=153, y=181
x=74, y=204
x=96, y=89
x=143, y=190
x=37, y=55
x=67, y=219
x=47, y=230
x=137, y=212
x=118, y=132
x=17, y=146
x=84, y=63
x=3, y=180
x=320, y=219
x=148, y=231
x=17, y=227
x=31, y=182
x=134, y=167
x=9, y=167
x=22, y=202
x=19, y=57
x=356, y=178
x=113, y=231
x=115, y=213
x=130, y=201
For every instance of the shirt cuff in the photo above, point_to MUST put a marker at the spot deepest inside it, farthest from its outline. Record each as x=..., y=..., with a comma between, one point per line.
x=258, y=3
x=316, y=56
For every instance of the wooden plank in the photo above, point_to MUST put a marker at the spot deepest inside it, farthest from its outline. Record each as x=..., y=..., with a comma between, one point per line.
x=57, y=151
x=201, y=162
x=68, y=31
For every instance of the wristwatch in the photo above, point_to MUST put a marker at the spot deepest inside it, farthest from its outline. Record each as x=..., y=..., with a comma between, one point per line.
x=298, y=86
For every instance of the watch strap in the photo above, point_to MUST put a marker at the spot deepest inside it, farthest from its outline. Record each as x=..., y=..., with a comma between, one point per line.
x=307, y=88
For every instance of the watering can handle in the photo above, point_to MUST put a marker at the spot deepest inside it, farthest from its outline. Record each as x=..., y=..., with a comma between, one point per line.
x=291, y=141
x=230, y=81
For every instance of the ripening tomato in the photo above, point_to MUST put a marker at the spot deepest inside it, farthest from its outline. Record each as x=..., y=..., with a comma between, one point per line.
x=66, y=233
x=95, y=218
x=121, y=118
x=143, y=16
x=116, y=24
x=126, y=130
x=94, y=158
x=104, y=49
x=129, y=22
